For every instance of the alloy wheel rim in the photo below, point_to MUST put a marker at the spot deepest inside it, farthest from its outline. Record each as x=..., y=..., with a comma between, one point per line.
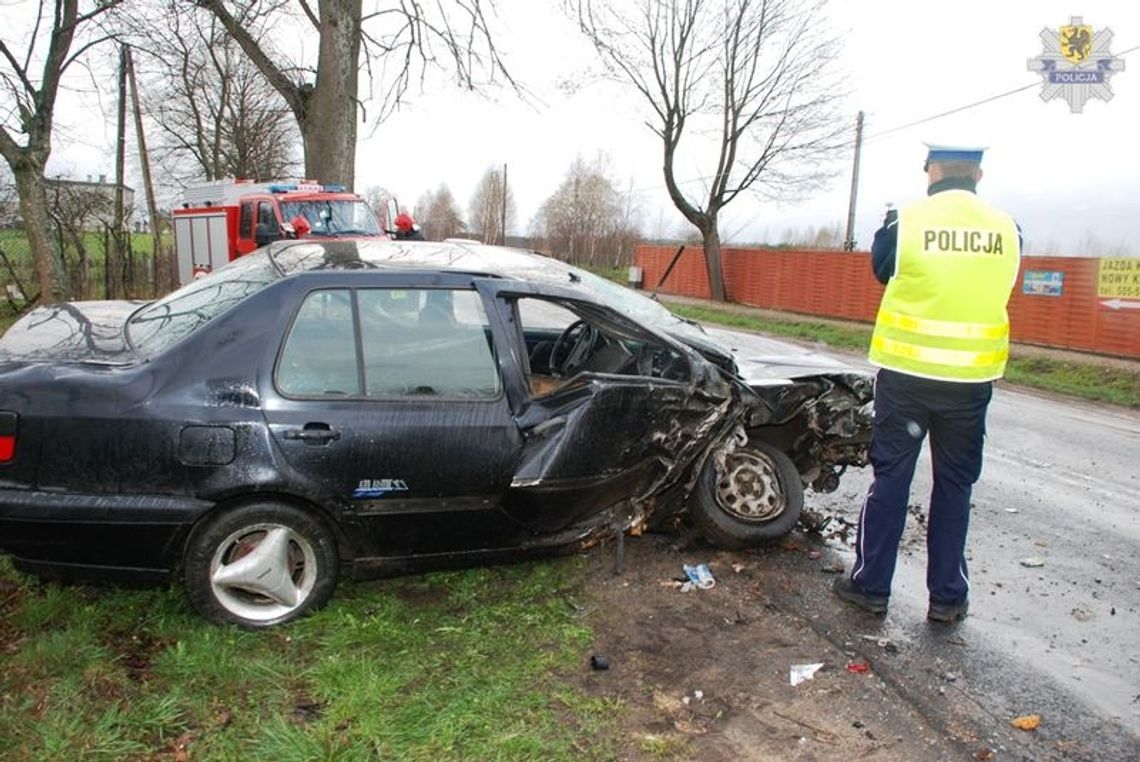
x=262, y=572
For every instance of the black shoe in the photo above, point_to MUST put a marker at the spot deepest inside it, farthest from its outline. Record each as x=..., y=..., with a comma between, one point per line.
x=850, y=592
x=948, y=612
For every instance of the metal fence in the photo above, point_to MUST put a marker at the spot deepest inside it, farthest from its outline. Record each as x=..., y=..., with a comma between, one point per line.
x=81, y=259
x=1084, y=304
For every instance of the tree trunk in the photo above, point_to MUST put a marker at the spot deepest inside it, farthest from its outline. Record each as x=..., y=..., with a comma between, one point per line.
x=712, y=262
x=328, y=122
x=33, y=206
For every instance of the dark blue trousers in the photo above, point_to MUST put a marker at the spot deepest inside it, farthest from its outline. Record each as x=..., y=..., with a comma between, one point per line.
x=907, y=408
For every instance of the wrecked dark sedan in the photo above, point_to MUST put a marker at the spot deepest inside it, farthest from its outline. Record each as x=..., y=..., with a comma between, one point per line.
x=389, y=407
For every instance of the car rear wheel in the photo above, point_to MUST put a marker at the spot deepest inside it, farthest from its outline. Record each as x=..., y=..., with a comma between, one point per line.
x=754, y=497
x=260, y=565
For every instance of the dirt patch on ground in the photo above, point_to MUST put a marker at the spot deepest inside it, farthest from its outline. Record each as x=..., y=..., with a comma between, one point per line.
x=705, y=674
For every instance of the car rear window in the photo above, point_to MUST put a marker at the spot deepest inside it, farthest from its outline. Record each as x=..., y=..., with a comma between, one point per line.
x=164, y=323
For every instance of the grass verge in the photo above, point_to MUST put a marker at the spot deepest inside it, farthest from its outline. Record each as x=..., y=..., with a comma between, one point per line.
x=1087, y=380
x=466, y=665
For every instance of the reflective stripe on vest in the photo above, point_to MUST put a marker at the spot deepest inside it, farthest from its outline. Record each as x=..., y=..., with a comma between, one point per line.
x=945, y=357
x=943, y=313
x=943, y=327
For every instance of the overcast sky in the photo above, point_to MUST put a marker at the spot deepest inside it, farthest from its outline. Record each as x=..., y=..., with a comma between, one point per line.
x=1071, y=180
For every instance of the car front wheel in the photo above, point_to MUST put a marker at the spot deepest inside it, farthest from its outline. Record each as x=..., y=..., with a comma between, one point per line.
x=260, y=565
x=752, y=495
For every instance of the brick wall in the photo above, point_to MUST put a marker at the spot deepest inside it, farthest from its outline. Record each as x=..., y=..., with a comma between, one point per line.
x=1085, y=316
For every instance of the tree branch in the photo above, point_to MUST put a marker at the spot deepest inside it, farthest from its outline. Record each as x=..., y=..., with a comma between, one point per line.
x=288, y=90
x=316, y=22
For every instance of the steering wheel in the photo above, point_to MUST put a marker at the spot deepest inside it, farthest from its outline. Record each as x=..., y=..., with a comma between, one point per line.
x=660, y=362
x=577, y=341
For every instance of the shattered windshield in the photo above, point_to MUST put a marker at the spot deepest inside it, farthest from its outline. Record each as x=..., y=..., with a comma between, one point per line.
x=328, y=217
x=164, y=323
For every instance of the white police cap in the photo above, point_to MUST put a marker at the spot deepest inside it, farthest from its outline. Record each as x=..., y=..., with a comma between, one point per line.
x=940, y=152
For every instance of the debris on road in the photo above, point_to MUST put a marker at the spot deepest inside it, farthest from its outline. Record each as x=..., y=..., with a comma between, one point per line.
x=814, y=521
x=801, y=672
x=1082, y=614
x=699, y=577
x=858, y=667
x=1033, y=562
x=1026, y=722
x=886, y=644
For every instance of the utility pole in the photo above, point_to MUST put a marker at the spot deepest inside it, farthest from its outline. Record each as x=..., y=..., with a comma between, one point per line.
x=849, y=240
x=115, y=254
x=503, y=211
x=160, y=270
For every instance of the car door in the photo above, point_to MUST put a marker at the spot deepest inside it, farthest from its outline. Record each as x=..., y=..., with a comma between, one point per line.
x=621, y=428
x=388, y=400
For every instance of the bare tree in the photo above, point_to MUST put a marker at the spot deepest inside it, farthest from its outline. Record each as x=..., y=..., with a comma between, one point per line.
x=398, y=42
x=78, y=210
x=587, y=221
x=757, y=73
x=217, y=116
x=438, y=215
x=29, y=110
x=486, y=212
x=378, y=198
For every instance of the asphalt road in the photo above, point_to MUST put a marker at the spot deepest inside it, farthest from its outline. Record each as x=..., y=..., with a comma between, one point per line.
x=1054, y=553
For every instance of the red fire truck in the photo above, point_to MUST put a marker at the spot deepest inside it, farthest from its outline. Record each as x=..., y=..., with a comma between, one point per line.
x=222, y=220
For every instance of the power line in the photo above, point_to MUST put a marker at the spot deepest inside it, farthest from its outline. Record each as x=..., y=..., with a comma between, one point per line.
x=968, y=106
x=917, y=122
x=908, y=125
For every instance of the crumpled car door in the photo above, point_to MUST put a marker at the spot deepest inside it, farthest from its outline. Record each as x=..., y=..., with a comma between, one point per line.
x=602, y=439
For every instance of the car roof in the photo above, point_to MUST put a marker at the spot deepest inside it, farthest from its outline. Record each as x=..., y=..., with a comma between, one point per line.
x=294, y=257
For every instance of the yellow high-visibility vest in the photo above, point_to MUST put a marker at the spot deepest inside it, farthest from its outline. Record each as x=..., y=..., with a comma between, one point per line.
x=943, y=314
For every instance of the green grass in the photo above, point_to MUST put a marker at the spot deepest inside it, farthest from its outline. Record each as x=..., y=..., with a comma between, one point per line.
x=467, y=665
x=1087, y=380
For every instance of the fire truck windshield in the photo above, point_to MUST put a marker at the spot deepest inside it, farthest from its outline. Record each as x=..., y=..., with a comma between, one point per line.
x=333, y=218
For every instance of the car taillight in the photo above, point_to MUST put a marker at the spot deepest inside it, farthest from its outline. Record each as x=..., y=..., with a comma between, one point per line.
x=8, y=423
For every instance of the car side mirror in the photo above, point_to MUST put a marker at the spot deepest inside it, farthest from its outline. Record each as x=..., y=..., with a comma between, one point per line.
x=266, y=234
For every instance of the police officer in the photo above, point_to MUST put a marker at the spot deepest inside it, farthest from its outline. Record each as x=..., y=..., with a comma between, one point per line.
x=941, y=338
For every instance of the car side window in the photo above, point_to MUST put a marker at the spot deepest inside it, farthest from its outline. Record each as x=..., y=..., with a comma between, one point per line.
x=430, y=342
x=267, y=217
x=564, y=340
x=319, y=357
x=413, y=342
x=245, y=221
